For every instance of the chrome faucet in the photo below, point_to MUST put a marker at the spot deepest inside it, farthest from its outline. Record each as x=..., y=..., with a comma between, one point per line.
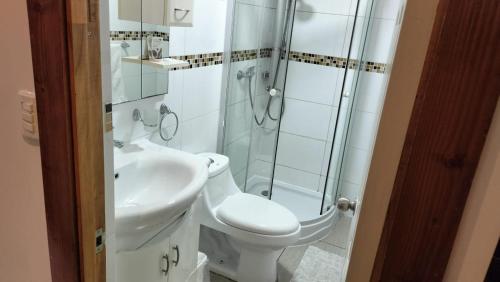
x=118, y=144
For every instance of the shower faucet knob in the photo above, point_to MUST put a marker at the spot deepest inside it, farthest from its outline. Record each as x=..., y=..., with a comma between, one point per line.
x=273, y=92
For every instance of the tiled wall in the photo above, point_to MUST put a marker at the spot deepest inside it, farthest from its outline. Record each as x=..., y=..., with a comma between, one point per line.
x=194, y=94
x=312, y=95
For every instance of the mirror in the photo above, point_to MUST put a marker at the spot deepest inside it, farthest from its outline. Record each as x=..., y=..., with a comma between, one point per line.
x=134, y=75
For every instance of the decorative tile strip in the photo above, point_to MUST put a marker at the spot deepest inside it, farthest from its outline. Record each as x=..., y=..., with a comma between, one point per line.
x=316, y=59
x=265, y=53
x=200, y=60
x=243, y=55
x=210, y=59
x=136, y=35
x=337, y=62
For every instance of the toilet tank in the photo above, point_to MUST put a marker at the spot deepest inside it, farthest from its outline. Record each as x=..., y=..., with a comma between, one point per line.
x=220, y=183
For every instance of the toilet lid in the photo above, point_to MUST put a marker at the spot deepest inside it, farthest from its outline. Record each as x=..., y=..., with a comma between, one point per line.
x=257, y=215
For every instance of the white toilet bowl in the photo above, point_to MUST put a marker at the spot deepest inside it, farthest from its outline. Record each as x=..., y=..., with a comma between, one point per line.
x=261, y=227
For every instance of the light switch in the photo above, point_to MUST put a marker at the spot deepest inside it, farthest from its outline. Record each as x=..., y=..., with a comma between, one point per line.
x=28, y=114
x=27, y=117
x=27, y=106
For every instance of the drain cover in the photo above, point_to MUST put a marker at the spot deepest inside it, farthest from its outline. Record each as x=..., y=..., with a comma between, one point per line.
x=265, y=193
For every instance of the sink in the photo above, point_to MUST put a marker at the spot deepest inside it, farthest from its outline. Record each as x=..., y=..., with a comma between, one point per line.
x=154, y=188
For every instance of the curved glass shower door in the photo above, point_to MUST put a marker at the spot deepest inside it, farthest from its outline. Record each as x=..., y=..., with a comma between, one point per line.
x=288, y=101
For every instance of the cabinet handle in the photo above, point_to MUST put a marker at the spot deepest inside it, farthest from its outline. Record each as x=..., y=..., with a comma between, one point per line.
x=165, y=270
x=181, y=10
x=176, y=249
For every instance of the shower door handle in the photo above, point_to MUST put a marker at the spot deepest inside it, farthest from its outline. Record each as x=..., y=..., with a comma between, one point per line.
x=344, y=204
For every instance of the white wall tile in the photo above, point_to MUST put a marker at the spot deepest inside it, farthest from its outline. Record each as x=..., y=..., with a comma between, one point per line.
x=264, y=143
x=380, y=40
x=238, y=150
x=319, y=33
x=245, y=27
x=342, y=116
x=387, y=9
x=238, y=121
x=296, y=177
x=177, y=41
x=324, y=6
x=261, y=168
x=207, y=34
x=363, y=7
x=300, y=152
x=371, y=92
x=202, y=90
x=173, y=99
x=267, y=27
x=200, y=134
x=356, y=166
x=310, y=82
x=364, y=130
x=350, y=190
x=306, y=119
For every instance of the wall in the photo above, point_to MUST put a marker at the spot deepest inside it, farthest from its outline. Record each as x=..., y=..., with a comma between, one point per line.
x=479, y=229
x=23, y=245
x=194, y=94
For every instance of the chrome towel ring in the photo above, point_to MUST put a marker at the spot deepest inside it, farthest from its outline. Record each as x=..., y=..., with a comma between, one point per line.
x=164, y=112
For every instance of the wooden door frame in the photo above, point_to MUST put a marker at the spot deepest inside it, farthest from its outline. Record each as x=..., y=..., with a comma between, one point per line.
x=428, y=161
x=456, y=99
x=66, y=64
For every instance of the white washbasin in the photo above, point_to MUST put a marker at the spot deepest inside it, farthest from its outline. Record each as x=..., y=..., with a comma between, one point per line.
x=153, y=189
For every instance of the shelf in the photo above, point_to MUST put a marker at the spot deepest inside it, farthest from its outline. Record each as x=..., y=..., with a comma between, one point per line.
x=165, y=63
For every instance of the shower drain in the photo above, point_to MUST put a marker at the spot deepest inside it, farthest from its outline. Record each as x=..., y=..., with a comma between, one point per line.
x=265, y=193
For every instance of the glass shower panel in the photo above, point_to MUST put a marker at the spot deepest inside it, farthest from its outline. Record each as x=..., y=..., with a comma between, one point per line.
x=342, y=158
x=252, y=114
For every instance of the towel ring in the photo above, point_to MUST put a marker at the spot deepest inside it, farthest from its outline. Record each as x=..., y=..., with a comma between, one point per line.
x=164, y=112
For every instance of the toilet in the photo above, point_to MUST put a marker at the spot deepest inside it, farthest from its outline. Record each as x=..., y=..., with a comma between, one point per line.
x=260, y=227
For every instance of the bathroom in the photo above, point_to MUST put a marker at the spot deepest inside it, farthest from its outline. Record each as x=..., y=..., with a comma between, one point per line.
x=250, y=140
x=275, y=86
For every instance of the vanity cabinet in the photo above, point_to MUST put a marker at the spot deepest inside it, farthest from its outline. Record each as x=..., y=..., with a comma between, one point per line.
x=171, y=259
x=157, y=12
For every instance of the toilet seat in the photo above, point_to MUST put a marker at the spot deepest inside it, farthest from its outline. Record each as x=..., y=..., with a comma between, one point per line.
x=257, y=215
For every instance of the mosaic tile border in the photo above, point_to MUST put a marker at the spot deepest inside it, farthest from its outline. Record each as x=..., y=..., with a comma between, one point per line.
x=119, y=35
x=211, y=59
x=337, y=62
x=200, y=60
x=243, y=55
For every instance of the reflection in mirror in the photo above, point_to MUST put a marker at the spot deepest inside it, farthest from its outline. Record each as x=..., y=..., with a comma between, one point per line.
x=155, y=47
x=132, y=77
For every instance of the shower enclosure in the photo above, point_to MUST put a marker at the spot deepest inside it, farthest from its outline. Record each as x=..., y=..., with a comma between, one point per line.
x=289, y=94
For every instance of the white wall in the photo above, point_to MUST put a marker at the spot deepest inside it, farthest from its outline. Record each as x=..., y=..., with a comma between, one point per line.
x=194, y=94
x=23, y=236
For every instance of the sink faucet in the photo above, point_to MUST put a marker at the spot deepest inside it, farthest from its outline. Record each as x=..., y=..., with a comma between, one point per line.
x=118, y=144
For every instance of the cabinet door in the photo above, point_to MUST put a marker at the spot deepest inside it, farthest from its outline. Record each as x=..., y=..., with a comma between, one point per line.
x=129, y=10
x=184, y=250
x=179, y=13
x=145, y=264
x=153, y=11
